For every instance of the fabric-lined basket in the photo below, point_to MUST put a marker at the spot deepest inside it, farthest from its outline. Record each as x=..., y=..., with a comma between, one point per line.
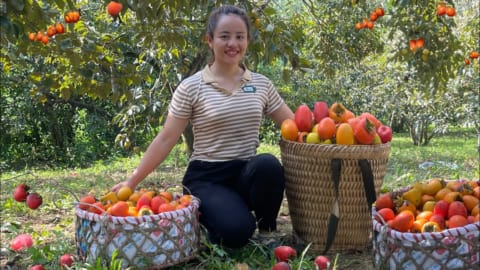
x=146, y=242
x=457, y=248
x=330, y=189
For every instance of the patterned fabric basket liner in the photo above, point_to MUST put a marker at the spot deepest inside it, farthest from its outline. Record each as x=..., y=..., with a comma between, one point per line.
x=311, y=193
x=457, y=248
x=151, y=241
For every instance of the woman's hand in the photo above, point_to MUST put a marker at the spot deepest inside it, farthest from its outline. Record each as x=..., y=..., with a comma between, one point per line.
x=282, y=113
x=116, y=187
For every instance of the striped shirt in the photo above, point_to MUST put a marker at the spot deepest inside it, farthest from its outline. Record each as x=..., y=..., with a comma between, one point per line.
x=225, y=124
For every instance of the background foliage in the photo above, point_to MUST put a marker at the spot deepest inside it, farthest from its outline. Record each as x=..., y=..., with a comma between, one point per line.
x=102, y=89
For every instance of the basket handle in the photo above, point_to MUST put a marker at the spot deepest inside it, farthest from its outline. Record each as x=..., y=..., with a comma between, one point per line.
x=368, y=182
x=368, y=185
x=336, y=167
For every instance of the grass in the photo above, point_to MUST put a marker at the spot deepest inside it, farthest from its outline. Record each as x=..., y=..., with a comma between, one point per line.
x=52, y=225
x=448, y=157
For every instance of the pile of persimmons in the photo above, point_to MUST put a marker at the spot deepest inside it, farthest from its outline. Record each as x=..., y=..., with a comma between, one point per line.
x=334, y=124
x=432, y=205
x=127, y=202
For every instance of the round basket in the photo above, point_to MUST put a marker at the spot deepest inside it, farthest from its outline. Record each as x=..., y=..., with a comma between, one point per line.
x=457, y=248
x=330, y=189
x=147, y=242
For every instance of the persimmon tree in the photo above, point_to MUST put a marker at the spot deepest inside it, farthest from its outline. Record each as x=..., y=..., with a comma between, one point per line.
x=336, y=52
x=124, y=69
x=133, y=61
x=424, y=96
x=375, y=69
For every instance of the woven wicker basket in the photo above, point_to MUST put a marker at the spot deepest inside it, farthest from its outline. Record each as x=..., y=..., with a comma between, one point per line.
x=457, y=248
x=311, y=192
x=146, y=242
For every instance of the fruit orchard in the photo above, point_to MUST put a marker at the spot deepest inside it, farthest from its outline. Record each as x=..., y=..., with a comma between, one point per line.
x=64, y=62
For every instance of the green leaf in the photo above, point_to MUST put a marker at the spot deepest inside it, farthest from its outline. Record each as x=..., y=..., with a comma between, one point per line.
x=86, y=72
x=286, y=75
x=17, y=29
x=65, y=44
x=65, y=94
x=175, y=52
x=60, y=4
x=89, y=46
x=108, y=58
x=71, y=5
x=4, y=23
x=35, y=77
x=19, y=5
x=47, y=83
x=132, y=4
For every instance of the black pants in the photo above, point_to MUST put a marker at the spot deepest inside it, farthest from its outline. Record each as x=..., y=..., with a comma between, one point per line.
x=230, y=191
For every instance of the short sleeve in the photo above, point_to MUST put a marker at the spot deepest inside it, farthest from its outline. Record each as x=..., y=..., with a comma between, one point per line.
x=184, y=96
x=274, y=99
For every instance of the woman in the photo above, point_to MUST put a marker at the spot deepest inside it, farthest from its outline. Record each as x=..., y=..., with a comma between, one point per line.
x=225, y=103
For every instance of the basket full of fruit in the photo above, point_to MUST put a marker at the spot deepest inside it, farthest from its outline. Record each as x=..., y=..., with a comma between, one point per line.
x=142, y=228
x=432, y=224
x=334, y=164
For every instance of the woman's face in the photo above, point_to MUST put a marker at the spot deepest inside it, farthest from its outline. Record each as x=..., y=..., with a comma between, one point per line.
x=230, y=40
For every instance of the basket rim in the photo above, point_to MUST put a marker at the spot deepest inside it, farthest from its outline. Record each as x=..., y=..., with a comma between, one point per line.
x=335, y=144
x=339, y=146
x=191, y=208
x=329, y=151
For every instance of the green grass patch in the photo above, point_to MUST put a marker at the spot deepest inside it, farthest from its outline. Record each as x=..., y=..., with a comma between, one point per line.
x=449, y=157
x=52, y=225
